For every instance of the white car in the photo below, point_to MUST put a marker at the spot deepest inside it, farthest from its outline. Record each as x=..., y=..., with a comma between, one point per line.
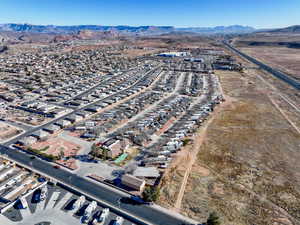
x=103, y=216
x=119, y=220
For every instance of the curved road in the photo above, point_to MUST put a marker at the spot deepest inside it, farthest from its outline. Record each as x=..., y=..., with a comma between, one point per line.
x=269, y=69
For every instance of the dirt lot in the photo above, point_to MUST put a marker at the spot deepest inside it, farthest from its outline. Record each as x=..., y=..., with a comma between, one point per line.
x=282, y=58
x=7, y=131
x=170, y=41
x=247, y=169
x=54, y=146
x=132, y=53
x=25, y=117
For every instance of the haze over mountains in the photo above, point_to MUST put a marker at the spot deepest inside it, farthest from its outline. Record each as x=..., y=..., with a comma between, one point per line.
x=291, y=29
x=219, y=29
x=123, y=29
x=11, y=33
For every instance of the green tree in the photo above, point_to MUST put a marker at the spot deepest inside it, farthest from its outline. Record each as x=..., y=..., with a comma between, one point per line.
x=94, y=147
x=105, y=153
x=61, y=154
x=94, y=150
x=151, y=194
x=213, y=219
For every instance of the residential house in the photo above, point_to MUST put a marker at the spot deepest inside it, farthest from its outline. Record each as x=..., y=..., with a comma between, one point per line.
x=52, y=128
x=40, y=134
x=63, y=123
x=74, y=118
x=26, y=141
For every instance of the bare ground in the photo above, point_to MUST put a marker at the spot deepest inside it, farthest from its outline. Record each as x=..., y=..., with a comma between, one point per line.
x=281, y=58
x=247, y=168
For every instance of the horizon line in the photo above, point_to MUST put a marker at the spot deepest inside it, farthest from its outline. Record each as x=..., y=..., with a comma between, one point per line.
x=24, y=23
x=255, y=27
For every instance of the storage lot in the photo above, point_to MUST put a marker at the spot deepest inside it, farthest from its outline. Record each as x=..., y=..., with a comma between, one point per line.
x=14, y=183
x=54, y=209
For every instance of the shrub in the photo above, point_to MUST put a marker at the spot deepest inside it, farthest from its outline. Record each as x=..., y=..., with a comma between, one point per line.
x=151, y=194
x=213, y=219
x=186, y=142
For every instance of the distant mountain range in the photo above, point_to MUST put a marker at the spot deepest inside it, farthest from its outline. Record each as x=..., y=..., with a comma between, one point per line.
x=123, y=29
x=77, y=28
x=140, y=30
x=291, y=29
x=238, y=29
x=11, y=33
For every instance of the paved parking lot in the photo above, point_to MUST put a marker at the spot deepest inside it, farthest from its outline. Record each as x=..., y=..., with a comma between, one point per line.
x=54, y=210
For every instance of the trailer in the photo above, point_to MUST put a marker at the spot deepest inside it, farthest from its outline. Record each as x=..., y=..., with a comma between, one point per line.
x=44, y=193
x=77, y=205
x=119, y=220
x=88, y=212
x=23, y=203
x=103, y=216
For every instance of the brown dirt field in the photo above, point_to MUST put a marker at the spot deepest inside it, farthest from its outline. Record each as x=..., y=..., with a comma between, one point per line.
x=151, y=43
x=266, y=37
x=70, y=163
x=76, y=133
x=174, y=42
x=7, y=131
x=101, y=45
x=132, y=53
x=282, y=58
x=56, y=145
x=247, y=169
x=275, y=86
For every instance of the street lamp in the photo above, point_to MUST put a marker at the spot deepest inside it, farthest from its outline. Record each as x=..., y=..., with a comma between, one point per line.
x=119, y=202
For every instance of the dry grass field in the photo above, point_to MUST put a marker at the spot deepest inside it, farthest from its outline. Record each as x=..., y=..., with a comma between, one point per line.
x=247, y=168
x=282, y=58
x=132, y=53
x=276, y=50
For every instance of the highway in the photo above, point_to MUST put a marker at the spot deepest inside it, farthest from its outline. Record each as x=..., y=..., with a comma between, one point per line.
x=287, y=79
x=147, y=213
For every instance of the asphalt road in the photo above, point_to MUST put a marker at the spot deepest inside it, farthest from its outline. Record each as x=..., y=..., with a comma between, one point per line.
x=269, y=69
x=145, y=212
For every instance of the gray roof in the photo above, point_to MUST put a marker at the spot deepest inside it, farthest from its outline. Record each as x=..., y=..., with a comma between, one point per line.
x=40, y=133
x=52, y=127
x=146, y=172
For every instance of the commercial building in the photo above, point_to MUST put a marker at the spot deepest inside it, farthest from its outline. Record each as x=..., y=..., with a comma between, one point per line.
x=133, y=182
x=173, y=54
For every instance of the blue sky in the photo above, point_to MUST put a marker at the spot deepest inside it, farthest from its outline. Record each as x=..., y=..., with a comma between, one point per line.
x=184, y=13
